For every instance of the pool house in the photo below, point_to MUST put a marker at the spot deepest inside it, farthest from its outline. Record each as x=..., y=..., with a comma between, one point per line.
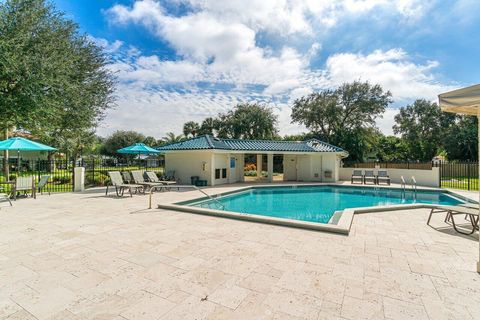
x=218, y=161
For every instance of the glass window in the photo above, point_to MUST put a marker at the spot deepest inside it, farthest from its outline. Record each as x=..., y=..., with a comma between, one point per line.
x=224, y=173
x=217, y=173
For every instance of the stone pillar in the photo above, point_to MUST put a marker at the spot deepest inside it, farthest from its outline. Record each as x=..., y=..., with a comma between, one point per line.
x=270, y=167
x=241, y=165
x=79, y=179
x=259, y=165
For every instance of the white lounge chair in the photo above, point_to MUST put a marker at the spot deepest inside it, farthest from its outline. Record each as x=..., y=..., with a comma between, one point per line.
x=153, y=178
x=139, y=179
x=452, y=211
x=120, y=187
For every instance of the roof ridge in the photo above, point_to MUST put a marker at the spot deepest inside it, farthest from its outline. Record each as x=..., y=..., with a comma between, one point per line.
x=329, y=144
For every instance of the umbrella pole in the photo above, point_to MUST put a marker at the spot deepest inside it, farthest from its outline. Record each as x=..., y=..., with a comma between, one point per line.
x=18, y=162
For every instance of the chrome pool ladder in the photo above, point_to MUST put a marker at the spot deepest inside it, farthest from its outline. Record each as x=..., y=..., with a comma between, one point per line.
x=403, y=183
x=413, y=184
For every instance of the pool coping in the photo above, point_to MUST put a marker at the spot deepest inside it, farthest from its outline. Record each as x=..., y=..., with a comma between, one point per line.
x=342, y=226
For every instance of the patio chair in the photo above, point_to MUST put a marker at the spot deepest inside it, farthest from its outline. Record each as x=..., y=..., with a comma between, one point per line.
x=152, y=177
x=127, y=177
x=369, y=176
x=357, y=176
x=42, y=183
x=23, y=184
x=139, y=179
x=383, y=176
x=120, y=187
x=452, y=211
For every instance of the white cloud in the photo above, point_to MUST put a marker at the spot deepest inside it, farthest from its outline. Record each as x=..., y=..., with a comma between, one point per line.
x=393, y=69
x=144, y=101
x=385, y=124
x=109, y=47
x=220, y=62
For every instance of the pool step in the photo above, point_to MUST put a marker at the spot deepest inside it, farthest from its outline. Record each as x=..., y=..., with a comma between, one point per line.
x=335, y=217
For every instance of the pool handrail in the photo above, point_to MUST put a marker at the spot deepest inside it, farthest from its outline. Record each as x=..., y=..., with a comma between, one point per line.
x=185, y=186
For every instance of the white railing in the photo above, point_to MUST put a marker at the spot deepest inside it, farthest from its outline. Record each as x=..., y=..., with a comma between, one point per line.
x=154, y=188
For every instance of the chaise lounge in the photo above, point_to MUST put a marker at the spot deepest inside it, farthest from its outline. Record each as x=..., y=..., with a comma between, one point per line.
x=469, y=212
x=120, y=186
x=139, y=179
x=152, y=176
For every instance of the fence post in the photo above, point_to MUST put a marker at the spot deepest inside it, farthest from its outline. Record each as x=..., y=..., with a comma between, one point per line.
x=468, y=175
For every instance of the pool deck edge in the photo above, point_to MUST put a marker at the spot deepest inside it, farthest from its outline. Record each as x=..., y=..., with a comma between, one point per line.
x=341, y=227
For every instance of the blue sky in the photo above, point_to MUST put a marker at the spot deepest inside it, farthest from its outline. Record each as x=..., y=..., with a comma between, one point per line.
x=184, y=60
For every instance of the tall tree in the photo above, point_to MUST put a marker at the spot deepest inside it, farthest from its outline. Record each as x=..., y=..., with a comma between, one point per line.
x=53, y=80
x=150, y=141
x=120, y=139
x=345, y=116
x=461, y=140
x=423, y=126
x=171, y=137
x=391, y=148
x=248, y=121
x=191, y=129
x=208, y=126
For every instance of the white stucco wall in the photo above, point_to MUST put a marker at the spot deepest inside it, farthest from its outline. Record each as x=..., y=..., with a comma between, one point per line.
x=188, y=164
x=426, y=178
x=297, y=167
x=304, y=167
x=311, y=167
x=331, y=163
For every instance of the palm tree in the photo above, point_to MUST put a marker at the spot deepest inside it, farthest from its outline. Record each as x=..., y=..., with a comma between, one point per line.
x=191, y=128
x=171, y=137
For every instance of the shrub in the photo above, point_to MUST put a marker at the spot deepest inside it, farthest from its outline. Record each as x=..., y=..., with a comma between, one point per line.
x=96, y=179
x=250, y=173
x=62, y=180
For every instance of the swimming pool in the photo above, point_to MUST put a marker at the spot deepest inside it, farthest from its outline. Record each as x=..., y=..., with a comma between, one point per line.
x=316, y=203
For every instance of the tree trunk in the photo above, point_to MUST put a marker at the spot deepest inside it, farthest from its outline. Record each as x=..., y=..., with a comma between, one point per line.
x=6, y=170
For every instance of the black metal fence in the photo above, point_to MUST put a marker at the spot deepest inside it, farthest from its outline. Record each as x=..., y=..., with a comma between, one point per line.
x=59, y=171
x=96, y=169
x=459, y=175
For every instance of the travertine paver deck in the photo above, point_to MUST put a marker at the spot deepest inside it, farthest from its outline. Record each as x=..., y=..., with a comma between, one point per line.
x=86, y=256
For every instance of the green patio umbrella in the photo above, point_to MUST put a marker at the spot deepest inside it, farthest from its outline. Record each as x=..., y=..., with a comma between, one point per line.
x=138, y=148
x=21, y=144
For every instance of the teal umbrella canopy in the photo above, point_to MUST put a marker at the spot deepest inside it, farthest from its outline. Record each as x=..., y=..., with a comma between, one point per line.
x=137, y=148
x=22, y=144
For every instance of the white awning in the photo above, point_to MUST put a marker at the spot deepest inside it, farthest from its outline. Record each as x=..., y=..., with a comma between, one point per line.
x=465, y=100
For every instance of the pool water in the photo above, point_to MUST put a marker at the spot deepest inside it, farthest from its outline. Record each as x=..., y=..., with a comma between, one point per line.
x=318, y=203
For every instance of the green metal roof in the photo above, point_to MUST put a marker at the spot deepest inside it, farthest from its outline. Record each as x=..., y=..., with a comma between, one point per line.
x=207, y=142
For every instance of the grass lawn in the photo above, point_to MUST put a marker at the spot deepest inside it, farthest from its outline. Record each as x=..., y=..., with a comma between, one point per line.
x=61, y=179
x=460, y=183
